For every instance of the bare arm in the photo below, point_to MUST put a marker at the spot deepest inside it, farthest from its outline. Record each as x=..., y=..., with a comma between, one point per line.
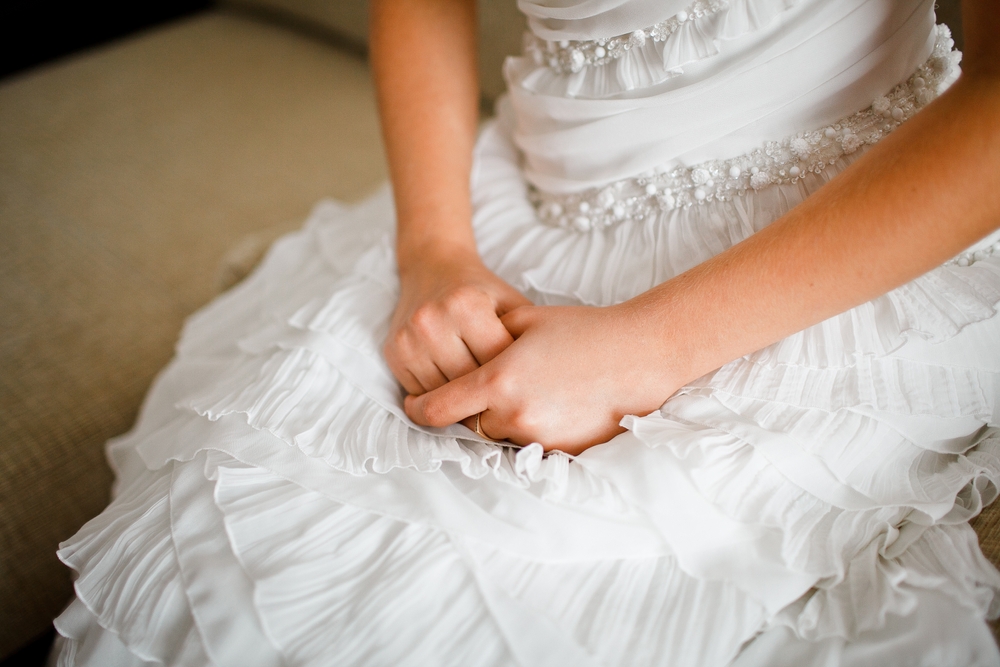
x=423, y=54
x=914, y=200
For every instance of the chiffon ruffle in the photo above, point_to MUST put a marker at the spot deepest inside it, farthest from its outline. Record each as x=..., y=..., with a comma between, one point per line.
x=654, y=62
x=274, y=505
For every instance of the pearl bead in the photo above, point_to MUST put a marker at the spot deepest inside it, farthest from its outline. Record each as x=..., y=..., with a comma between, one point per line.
x=666, y=187
x=564, y=43
x=963, y=261
x=682, y=16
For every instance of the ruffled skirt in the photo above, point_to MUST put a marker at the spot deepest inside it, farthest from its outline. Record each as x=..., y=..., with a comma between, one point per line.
x=807, y=504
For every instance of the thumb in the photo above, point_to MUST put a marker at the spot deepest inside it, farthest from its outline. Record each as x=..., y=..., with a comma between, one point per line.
x=519, y=320
x=510, y=300
x=450, y=403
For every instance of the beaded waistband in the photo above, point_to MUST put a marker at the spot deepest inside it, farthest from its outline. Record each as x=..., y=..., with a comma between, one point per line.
x=777, y=162
x=572, y=56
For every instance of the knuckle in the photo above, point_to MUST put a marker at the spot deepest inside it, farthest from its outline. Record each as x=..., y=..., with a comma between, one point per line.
x=462, y=299
x=424, y=319
x=434, y=414
x=398, y=341
x=503, y=385
x=523, y=421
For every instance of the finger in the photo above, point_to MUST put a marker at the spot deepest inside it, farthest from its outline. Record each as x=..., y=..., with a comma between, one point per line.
x=484, y=431
x=454, y=358
x=489, y=425
x=450, y=403
x=427, y=373
x=517, y=321
x=485, y=336
x=511, y=300
x=401, y=372
x=410, y=383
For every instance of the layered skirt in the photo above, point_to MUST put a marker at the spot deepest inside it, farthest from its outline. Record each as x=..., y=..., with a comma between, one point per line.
x=806, y=504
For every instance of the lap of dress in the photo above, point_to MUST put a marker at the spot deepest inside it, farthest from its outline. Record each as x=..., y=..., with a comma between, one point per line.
x=807, y=504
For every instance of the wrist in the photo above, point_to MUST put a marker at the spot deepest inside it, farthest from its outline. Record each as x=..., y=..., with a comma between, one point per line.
x=656, y=329
x=435, y=255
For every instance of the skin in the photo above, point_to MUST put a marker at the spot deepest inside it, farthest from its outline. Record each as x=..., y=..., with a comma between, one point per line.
x=464, y=342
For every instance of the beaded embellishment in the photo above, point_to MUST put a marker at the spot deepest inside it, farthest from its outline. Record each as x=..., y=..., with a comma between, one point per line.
x=778, y=162
x=970, y=258
x=572, y=56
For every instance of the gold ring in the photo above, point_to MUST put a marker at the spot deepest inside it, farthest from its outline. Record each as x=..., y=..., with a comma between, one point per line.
x=479, y=429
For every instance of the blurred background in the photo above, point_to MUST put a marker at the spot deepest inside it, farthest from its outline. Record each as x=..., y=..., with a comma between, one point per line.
x=149, y=154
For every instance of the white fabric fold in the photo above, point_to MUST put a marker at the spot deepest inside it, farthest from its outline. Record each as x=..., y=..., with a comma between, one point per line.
x=807, y=502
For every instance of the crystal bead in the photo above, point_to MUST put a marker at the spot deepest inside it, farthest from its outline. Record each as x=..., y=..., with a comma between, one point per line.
x=606, y=199
x=777, y=162
x=597, y=52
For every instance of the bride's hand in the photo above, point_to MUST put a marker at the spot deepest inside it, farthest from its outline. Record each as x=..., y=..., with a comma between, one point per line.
x=566, y=382
x=447, y=321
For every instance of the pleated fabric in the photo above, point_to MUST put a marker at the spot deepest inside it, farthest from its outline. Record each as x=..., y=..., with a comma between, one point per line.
x=806, y=504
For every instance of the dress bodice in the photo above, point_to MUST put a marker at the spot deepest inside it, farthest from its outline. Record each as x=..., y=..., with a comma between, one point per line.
x=612, y=89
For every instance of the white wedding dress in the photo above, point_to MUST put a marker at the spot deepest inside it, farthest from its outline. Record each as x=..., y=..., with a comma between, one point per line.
x=807, y=504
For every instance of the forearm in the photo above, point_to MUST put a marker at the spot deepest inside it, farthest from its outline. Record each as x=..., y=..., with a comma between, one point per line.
x=423, y=56
x=916, y=199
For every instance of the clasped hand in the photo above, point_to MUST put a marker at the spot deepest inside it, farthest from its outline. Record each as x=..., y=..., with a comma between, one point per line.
x=463, y=343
